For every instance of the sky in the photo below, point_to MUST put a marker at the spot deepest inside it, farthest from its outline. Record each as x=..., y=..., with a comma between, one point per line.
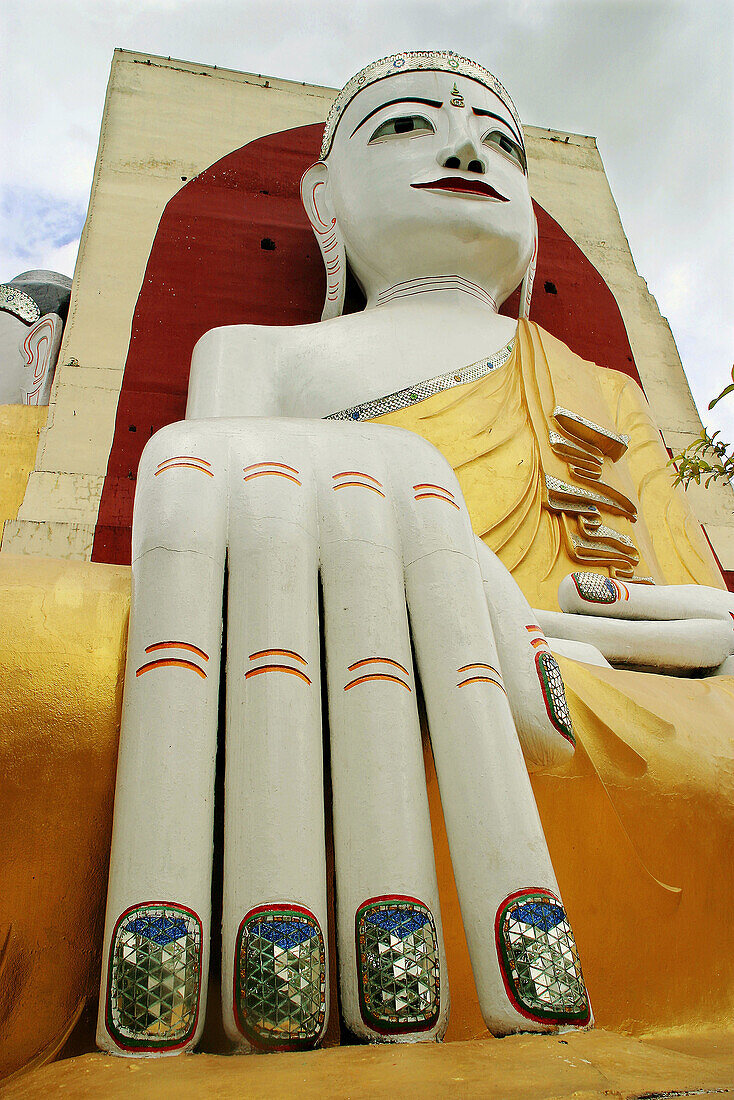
x=652, y=80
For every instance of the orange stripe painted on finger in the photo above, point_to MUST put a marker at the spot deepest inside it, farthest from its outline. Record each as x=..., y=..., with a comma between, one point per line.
x=357, y=473
x=377, y=660
x=437, y=496
x=271, y=473
x=173, y=661
x=482, y=680
x=428, y=485
x=359, y=485
x=177, y=645
x=277, y=668
x=278, y=653
x=176, y=465
x=377, y=676
x=185, y=458
x=259, y=465
x=478, y=664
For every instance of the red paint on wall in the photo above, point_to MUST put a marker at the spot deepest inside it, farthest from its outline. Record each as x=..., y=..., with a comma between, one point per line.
x=213, y=263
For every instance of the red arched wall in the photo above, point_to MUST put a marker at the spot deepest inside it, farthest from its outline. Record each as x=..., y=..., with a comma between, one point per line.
x=208, y=267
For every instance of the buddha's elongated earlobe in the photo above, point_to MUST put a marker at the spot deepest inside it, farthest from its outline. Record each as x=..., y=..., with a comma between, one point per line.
x=41, y=349
x=526, y=290
x=317, y=202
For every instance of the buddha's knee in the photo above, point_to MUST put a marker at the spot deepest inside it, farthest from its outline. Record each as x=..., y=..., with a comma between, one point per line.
x=181, y=492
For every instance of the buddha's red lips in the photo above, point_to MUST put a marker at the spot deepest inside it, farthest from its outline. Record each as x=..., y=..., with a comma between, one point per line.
x=463, y=186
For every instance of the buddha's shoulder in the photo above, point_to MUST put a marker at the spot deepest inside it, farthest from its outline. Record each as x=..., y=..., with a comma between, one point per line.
x=289, y=339
x=611, y=381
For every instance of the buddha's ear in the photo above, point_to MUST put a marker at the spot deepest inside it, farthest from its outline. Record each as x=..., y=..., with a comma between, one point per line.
x=41, y=350
x=316, y=198
x=526, y=290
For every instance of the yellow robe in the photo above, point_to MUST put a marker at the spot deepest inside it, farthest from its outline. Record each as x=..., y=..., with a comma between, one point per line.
x=641, y=824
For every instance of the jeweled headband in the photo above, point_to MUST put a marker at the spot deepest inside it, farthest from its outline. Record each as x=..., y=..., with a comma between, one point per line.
x=442, y=61
x=20, y=304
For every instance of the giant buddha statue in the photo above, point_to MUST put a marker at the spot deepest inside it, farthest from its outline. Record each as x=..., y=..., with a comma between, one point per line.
x=388, y=456
x=399, y=500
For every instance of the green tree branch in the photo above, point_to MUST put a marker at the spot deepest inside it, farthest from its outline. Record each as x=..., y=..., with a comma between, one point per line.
x=708, y=458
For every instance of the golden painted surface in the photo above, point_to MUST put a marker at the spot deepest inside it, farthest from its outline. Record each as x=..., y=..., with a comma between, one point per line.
x=591, y=1065
x=640, y=825
x=20, y=427
x=62, y=644
x=495, y=434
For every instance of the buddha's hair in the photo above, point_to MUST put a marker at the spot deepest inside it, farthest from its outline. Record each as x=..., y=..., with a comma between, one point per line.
x=443, y=61
x=34, y=294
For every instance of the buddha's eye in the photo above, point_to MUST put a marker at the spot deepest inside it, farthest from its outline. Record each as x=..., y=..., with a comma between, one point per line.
x=406, y=125
x=497, y=140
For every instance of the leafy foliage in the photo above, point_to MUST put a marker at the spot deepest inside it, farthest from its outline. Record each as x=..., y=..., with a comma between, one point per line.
x=708, y=458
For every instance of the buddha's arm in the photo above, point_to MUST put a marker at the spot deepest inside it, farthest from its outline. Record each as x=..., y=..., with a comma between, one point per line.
x=235, y=371
x=680, y=546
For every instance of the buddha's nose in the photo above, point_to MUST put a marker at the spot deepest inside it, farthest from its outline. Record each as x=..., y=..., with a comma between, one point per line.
x=464, y=155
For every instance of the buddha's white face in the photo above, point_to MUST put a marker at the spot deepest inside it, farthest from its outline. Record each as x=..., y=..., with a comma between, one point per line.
x=427, y=177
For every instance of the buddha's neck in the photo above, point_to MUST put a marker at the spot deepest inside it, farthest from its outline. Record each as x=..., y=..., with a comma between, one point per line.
x=447, y=304
x=433, y=289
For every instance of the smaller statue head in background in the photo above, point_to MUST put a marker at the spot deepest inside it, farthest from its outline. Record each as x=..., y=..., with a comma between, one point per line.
x=33, y=310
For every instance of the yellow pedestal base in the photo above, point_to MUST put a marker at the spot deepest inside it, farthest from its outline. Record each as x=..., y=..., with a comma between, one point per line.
x=523, y=1067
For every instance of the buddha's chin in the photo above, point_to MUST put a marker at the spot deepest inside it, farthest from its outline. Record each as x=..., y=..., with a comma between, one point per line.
x=497, y=264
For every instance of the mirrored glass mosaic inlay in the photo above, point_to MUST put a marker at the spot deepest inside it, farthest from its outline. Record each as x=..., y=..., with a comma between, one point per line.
x=555, y=694
x=280, y=995
x=155, y=969
x=398, y=965
x=594, y=588
x=540, y=959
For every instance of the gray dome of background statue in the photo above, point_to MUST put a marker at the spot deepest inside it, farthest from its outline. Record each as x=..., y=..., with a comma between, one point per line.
x=50, y=290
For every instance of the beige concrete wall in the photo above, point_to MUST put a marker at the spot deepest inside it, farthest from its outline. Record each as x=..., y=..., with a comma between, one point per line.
x=165, y=121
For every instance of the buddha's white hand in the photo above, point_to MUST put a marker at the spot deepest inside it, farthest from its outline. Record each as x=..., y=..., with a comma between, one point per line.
x=676, y=629
x=375, y=516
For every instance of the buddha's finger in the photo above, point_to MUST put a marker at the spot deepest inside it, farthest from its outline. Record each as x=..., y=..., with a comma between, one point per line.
x=676, y=646
x=156, y=944
x=595, y=594
x=392, y=962
x=274, y=926
x=530, y=671
x=507, y=888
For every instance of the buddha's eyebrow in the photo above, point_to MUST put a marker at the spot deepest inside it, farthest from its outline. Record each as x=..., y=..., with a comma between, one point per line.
x=391, y=103
x=510, y=127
